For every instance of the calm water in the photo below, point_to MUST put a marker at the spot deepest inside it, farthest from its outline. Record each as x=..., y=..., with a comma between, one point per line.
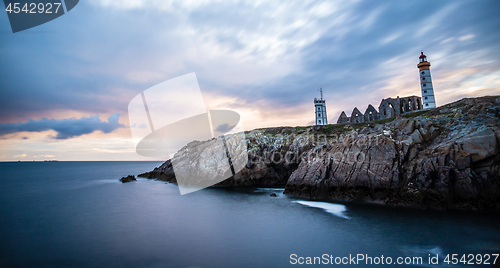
x=77, y=214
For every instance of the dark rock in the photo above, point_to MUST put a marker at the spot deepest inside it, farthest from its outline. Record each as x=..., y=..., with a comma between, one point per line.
x=416, y=169
x=165, y=172
x=128, y=178
x=274, y=195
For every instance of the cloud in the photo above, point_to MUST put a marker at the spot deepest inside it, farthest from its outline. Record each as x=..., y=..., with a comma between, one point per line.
x=263, y=59
x=65, y=128
x=271, y=56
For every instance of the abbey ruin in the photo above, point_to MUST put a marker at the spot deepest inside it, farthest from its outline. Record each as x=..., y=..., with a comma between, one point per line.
x=395, y=107
x=388, y=108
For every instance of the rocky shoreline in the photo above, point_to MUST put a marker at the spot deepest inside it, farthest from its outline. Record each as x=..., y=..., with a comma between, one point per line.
x=442, y=158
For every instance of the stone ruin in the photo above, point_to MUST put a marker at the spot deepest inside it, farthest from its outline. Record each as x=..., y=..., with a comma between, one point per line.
x=388, y=108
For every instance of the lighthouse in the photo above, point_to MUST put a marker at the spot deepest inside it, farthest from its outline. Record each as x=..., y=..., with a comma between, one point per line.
x=428, y=100
x=320, y=110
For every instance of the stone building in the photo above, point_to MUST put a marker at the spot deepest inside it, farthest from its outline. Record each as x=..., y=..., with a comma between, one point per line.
x=357, y=116
x=395, y=107
x=343, y=118
x=388, y=108
x=371, y=114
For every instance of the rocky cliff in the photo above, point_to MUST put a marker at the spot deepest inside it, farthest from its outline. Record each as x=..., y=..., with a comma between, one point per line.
x=443, y=158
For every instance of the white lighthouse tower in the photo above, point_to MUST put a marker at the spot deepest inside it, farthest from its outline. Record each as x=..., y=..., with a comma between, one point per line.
x=428, y=100
x=320, y=110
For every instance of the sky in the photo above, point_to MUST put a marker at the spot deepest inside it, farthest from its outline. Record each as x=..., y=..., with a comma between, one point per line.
x=65, y=85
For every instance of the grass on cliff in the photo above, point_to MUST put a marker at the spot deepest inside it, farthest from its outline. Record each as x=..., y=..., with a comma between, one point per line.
x=415, y=114
x=469, y=106
x=384, y=121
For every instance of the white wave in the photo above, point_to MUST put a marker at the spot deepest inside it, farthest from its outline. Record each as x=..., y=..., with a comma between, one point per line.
x=335, y=209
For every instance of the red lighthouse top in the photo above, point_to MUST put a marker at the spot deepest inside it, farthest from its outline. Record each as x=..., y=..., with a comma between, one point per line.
x=422, y=57
x=423, y=61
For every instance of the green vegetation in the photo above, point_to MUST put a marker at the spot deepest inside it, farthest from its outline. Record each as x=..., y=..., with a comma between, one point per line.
x=359, y=126
x=333, y=129
x=384, y=121
x=415, y=114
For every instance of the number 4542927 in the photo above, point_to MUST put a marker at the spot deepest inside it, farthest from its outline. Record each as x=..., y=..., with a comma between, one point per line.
x=33, y=8
x=471, y=258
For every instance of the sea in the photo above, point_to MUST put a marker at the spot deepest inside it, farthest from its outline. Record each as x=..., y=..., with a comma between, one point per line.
x=78, y=214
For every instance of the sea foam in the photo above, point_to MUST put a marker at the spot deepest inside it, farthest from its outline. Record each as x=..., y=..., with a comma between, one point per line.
x=335, y=209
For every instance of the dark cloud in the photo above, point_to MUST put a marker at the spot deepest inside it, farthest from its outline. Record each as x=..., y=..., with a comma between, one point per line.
x=90, y=62
x=347, y=58
x=66, y=128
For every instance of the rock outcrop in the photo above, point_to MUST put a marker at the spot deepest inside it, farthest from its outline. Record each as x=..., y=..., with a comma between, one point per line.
x=265, y=166
x=442, y=158
x=129, y=178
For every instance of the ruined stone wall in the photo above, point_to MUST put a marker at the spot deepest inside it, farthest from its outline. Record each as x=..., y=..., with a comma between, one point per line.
x=388, y=108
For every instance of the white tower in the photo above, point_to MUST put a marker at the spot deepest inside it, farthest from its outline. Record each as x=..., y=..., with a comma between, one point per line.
x=428, y=100
x=320, y=110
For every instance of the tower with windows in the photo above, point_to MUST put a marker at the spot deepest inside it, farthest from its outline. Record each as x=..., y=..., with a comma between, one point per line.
x=320, y=110
x=428, y=100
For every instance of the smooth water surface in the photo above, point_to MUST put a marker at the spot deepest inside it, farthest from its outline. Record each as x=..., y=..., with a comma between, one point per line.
x=77, y=214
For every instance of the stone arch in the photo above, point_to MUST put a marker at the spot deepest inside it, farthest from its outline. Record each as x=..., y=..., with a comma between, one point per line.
x=390, y=112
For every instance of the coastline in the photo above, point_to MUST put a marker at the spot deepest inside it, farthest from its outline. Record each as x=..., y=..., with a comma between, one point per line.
x=445, y=158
